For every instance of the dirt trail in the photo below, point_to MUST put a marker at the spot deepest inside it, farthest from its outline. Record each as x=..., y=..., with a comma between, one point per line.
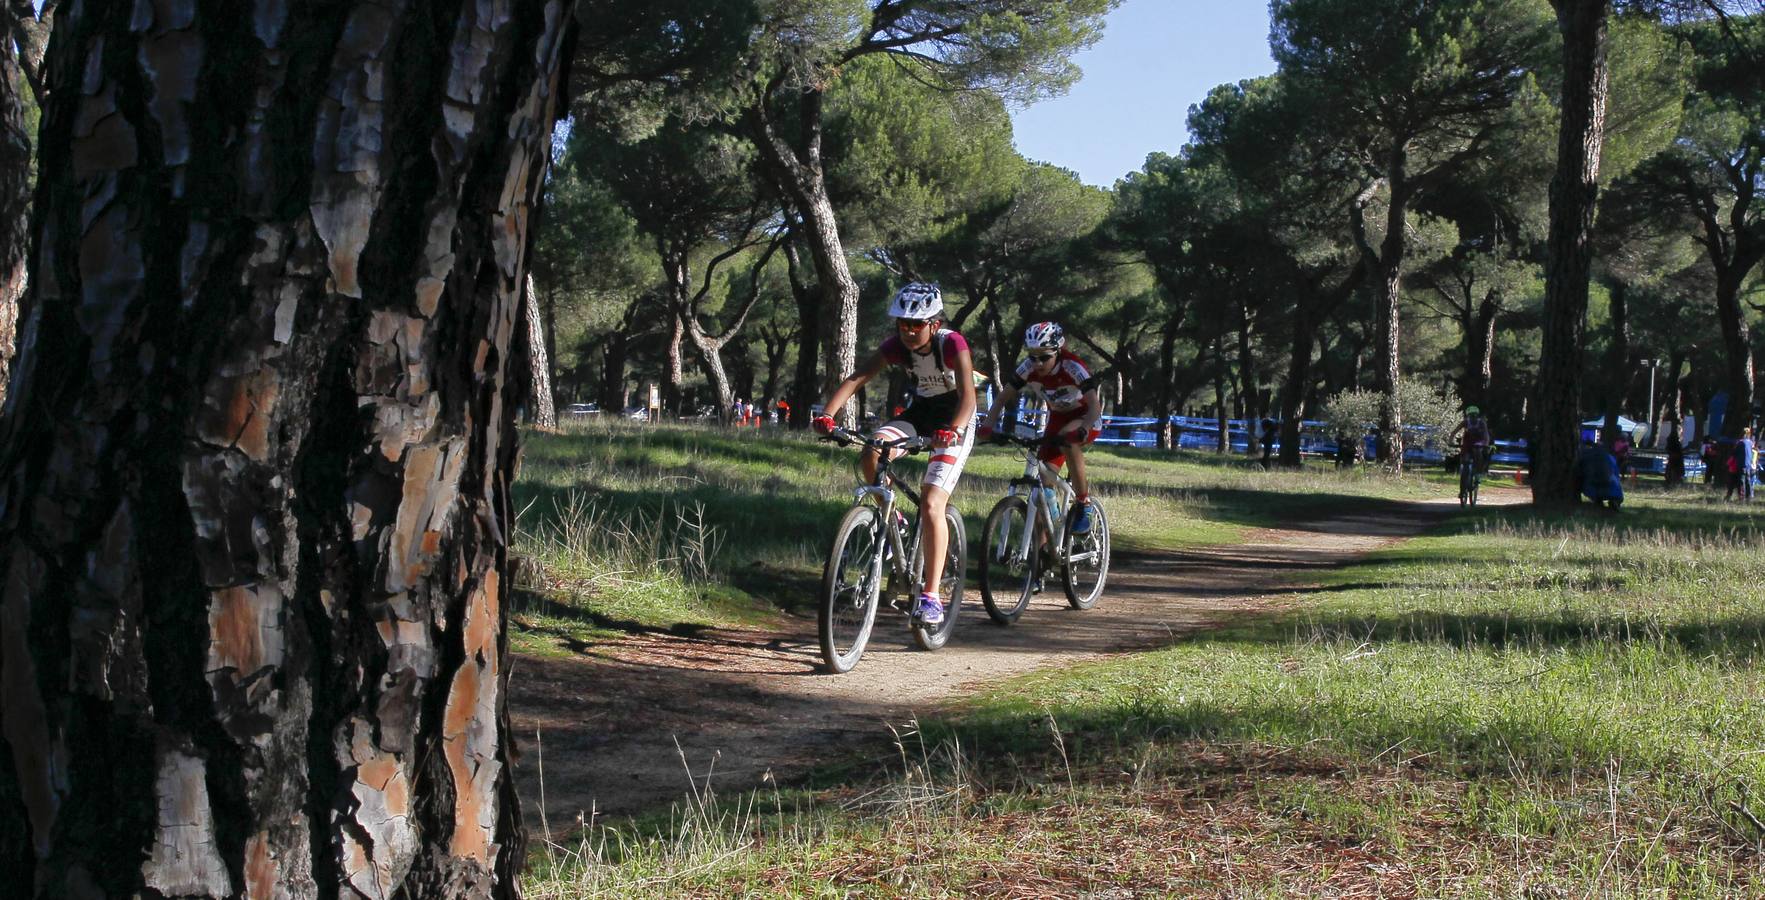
x=745, y=703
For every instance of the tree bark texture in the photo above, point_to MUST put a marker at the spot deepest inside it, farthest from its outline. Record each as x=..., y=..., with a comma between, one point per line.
x=1573, y=194
x=15, y=202
x=1222, y=440
x=1618, y=362
x=1480, y=351
x=545, y=412
x=255, y=506
x=1737, y=352
x=804, y=179
x=1248, y=388
x=1673, y=407
x=805, y=390
x=1387, y=303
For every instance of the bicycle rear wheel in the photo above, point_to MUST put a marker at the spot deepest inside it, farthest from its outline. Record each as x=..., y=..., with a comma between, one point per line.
x=850, y=587
x=1007, y=577
x=1087, y=559
x=950, y=584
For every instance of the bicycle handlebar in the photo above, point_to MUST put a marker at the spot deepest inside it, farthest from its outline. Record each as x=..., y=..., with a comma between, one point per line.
x=1035, y=443
x=845, y=436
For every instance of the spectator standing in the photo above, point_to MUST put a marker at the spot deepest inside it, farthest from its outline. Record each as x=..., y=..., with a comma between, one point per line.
x=1745, y=464
x=1675, y=456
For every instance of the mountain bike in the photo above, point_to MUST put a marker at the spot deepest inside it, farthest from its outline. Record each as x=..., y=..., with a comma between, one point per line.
x=1470, y=474
x=1028, y=536
x=876, y=552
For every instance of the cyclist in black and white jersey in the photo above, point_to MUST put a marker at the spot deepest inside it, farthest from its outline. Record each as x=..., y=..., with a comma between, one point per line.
x=940, y=372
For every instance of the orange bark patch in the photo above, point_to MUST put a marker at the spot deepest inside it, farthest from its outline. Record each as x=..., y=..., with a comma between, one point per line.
x=238, y=640
x=481, y=619
x=261, y=871
x=237, y=414
x=470, y=840
x=377, y=773
x=429, y=295
x=255, y=396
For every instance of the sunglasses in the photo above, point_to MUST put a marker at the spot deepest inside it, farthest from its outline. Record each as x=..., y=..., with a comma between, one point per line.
x=1043, y=357
x=911, y=324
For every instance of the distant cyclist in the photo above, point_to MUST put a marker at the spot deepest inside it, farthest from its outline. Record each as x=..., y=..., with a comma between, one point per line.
x=940, y=375
x=1477, y=439
x=1065, y=383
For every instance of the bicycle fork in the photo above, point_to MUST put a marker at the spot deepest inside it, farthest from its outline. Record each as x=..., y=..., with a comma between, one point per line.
x=899, y=559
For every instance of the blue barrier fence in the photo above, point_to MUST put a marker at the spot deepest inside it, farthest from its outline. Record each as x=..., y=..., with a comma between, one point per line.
x=1191, y=433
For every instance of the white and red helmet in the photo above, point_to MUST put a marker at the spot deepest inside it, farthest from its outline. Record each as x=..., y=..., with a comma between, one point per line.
x=1044, y=336
x=917, y=300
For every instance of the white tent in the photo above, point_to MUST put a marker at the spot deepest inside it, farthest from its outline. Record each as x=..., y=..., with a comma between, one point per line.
x=1626, y=425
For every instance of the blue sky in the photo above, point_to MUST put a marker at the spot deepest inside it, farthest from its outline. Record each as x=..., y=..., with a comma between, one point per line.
x=1156, y=59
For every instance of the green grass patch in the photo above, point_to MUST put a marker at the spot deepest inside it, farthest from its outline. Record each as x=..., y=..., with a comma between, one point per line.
x=629, y=527
x=1517, y=704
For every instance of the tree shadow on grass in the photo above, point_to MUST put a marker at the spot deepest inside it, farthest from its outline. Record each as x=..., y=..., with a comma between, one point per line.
x=1634, y=523
x=1739, y=639
x=527, y=602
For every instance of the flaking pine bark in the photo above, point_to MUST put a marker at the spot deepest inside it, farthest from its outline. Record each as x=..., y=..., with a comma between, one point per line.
x=255, y=509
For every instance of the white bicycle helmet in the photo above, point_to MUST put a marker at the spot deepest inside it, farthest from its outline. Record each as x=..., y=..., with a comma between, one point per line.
x=917, y=300
x=1044, y=336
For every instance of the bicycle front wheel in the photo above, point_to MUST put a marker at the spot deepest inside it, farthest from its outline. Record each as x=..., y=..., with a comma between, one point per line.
x=1008, y=573
x=950, y=583
x=850, y=587
x=1087, y=559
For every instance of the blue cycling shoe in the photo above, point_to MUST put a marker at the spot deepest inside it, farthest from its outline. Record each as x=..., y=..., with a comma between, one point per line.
x=930, y=610
x=1081, y=520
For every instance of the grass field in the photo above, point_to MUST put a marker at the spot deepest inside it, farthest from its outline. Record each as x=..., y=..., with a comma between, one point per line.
x=631, y=527
x=1515, y=705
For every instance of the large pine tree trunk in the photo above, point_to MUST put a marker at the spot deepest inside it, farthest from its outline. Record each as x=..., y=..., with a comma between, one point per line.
x=1167, y=380
x=1618, y=368
x=255, y=507
x=15, y=201
x=1299, y=366
x=805, y=390
x=545, y=412
x=1674, y=406
x=1223, y=439
x=1248, y=389
x=1574, y=190
x=1387, y=297
x=1737, y=347
x=1480, y=352
x=804, y=180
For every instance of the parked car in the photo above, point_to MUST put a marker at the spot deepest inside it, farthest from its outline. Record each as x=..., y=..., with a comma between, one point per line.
x=582, y=410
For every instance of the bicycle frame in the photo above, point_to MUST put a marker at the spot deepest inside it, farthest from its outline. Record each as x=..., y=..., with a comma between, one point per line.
x=885, y=490
x=1037, y=475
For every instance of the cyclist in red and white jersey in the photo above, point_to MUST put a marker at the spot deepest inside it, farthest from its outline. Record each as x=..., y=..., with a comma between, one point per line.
x=1066, y=384
x=941, y=371
x=1478, y=439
